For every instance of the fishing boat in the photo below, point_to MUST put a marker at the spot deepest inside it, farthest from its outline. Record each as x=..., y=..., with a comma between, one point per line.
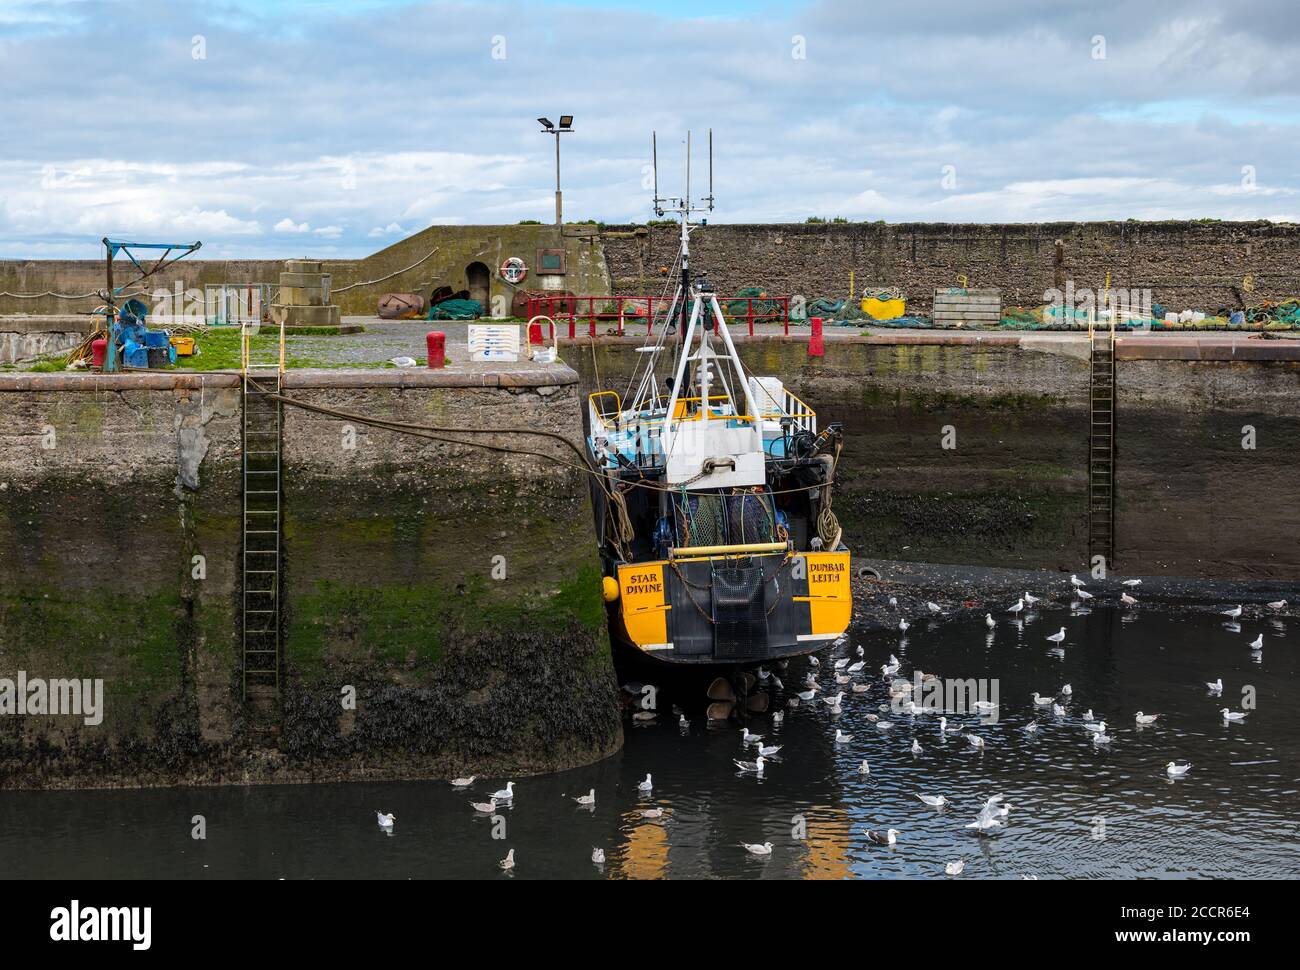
x=713, y=497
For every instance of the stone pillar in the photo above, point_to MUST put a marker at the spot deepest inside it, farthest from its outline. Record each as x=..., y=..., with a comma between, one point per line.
x=304, y=296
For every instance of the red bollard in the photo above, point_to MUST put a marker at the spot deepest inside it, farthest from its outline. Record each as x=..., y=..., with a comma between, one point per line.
x=436, y=342
x=815, y=346
x=534, y=334
x=97, y=350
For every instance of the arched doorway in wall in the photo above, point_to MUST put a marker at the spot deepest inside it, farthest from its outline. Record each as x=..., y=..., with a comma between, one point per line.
x=477, y=276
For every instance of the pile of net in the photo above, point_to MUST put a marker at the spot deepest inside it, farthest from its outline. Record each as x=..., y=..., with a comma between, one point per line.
x=455, y=310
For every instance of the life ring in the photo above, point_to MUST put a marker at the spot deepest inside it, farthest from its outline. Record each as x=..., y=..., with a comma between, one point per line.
x=513, y=270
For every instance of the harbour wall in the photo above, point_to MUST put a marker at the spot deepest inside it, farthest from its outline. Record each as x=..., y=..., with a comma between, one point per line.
x=455, y=591
x=1204, y=265
x=1012, y=488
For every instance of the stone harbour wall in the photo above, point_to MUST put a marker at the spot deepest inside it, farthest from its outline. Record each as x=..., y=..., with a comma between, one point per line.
x=114, y=489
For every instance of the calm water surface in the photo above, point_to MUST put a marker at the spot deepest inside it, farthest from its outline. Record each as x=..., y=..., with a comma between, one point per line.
x=1078, y=810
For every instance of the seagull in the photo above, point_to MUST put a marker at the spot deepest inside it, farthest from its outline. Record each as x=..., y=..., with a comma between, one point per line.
x=864, y=768
x=841, y=663
x=508, y=862
x=778, y=717
x=1057, y=710
x=932, y=607
x=889, y=837
x=1058, y=637
x=1066, y=690
x=984, y=706
x=748, y=738
x=834, y=699
x=386, y=821
x=1231, y=614
x=463, y=782
x=767, y=750
x=1030, y=728
x=1076, y=582
x=760, y=848
x=975, y=740
x=1130, y=583
x=916, y=746
x=1042, y=701
x=882, y=726
x=652, y=813
x=859, y=651
x=903, y=625
x=505, y=794
x=1083, y=594
x=487, y=807
x=1277, y=605
x=854, y=668
x=598, y=856
x=807, y=695
x=1127, y=600
x=755, y=766
x=841, y=737
x=1146, y=718
x=1031, y=600
x=814, y=661
x=682, y=722
x=893, y=601
x=1176, y=770
x=887, y=669
x=1087, y=715
x=1101, y=739
x=587, y=799
x=934, y=801
x=1215, y=688
x=860, y=688
x=987, y=819
x=1097, y=728
x=1257, y=643
x=989, y=621
x=954, y=868
x=1232, y=715
x=1016, y=607
x=646, y=785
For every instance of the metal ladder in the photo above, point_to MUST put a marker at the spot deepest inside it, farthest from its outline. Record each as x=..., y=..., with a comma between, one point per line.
x=1101, y=443
x=260, y=554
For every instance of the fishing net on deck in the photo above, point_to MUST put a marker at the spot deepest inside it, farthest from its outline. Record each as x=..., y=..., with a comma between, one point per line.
x=700, y=520
x=751, y=518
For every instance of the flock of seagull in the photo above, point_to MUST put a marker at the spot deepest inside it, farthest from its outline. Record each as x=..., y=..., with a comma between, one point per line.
x=993, y=812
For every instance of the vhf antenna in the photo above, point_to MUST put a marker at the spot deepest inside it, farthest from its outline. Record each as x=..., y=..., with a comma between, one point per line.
x=673, y=203
x=682, y=206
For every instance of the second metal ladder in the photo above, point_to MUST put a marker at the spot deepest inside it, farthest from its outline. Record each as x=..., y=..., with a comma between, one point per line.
x=260, y=553
x=1101, y=443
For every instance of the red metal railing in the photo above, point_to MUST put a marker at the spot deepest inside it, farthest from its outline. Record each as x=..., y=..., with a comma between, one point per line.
x=625, y=309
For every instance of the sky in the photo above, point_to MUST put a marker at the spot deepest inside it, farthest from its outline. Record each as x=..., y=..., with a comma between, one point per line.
x=282, y=128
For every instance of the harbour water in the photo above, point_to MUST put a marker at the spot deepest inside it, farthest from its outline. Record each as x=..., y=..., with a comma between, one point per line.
x=1078, y=809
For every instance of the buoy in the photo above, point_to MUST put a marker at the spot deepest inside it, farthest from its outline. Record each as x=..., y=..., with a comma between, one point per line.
x=609, y=589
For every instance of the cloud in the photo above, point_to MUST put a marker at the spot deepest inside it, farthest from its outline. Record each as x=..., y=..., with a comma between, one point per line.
x=426, y=127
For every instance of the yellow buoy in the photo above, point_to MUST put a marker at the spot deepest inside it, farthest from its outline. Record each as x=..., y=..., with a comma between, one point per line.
x=609, y=587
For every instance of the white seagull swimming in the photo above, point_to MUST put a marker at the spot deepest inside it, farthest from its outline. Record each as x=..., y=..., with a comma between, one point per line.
x=1257, y=643
x=587, y=799
x=748, y=738
x=1176, y=770
x=932, y=607
x=598, y=856
x=934, y=801
x=508, y=862
x=1146, y=718
x=1132, y=582
x=1043, y=701
x=758, y=848
x=767, y=750
x=1216, y=687
x=505, y=794
x=888, y=837
x=1232, y=715
x=1098, y=728
x=463, y=782
x=646, y=785
x=386, y=821
x=989, y=621
x=756, y=766
x=903, y=624
x=841, y=737
x=486, y=808
x=954, y=868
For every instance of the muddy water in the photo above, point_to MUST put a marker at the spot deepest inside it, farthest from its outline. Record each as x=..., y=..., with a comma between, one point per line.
x=1078, y=809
